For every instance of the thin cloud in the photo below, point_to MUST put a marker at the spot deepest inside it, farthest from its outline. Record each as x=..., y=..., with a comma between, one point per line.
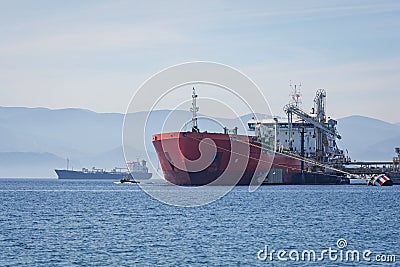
x=304, y=12
x=96, y=38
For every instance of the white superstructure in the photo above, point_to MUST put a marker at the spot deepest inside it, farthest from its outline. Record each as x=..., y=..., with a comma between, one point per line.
x=310, y=135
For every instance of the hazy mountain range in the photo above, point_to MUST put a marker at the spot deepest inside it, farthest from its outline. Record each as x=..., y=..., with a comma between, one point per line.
x=35, y=141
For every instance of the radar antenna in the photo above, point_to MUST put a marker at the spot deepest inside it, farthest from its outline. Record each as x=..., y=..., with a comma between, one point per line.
x=295, y=96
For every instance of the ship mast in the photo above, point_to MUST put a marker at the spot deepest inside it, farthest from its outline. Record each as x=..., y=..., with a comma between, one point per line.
x=194, y=109
x=295, y=97
x=295, y=101
x=320, y=135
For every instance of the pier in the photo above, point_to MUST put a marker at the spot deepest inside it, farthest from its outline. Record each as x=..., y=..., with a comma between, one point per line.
x=364, y=168
x=368, y=168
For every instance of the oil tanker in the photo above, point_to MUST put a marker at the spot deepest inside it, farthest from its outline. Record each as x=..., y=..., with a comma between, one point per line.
x=299, y=150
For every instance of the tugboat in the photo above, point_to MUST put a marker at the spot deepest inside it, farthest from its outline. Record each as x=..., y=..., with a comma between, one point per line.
x=127, y=180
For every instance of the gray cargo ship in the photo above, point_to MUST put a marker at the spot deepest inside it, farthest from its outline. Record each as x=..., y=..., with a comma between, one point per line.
x=136, y=170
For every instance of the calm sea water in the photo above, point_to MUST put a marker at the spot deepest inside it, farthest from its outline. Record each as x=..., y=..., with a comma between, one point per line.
x=97, y=223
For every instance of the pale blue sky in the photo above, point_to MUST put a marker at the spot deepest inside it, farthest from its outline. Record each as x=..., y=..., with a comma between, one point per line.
x=95, y=54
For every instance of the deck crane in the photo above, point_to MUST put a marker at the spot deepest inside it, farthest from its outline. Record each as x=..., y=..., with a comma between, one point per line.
x=317, y=119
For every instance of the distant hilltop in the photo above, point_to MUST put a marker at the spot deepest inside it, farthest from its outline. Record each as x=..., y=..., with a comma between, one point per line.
x=35, y=141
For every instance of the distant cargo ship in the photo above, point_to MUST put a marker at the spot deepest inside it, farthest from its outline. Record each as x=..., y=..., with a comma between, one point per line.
x=136, y=170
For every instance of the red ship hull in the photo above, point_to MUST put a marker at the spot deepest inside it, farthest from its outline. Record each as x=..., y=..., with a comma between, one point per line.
x=237, y=160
